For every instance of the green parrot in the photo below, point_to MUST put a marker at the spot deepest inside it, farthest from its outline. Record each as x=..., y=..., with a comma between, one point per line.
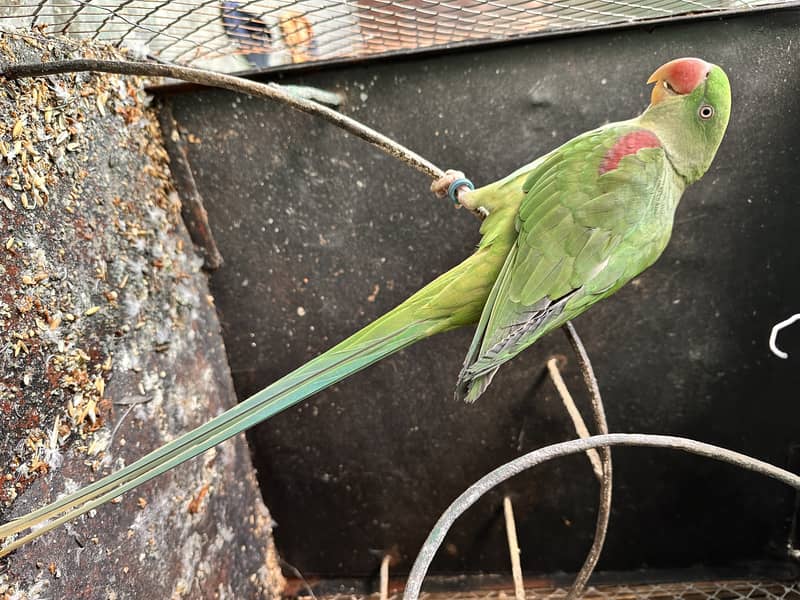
x=559, y=234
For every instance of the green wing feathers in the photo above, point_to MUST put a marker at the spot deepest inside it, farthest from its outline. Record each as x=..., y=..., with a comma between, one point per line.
x=581, y=234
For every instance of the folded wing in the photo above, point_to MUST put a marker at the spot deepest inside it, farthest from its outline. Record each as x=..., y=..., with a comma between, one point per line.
x=574, y=245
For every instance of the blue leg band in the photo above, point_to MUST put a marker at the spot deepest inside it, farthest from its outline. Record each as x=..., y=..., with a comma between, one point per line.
x=451, y=191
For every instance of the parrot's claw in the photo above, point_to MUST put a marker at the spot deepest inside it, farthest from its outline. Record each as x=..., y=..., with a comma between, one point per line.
x=442, y=185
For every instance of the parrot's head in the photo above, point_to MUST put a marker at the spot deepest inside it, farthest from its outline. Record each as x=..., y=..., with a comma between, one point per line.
x=689, y=110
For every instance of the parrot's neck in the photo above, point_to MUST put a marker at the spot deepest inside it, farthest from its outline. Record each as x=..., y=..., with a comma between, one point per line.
x=687, y=156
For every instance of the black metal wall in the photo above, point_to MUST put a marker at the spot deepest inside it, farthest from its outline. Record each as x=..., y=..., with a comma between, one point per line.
x=321, y=234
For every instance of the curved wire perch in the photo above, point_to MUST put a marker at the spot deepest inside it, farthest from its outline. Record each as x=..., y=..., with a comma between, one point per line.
x=773, y=336
x=606, y=485
x=272, y=91
x=537, y=457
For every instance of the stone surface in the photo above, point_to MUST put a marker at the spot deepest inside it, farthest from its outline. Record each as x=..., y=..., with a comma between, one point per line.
x=110, y=346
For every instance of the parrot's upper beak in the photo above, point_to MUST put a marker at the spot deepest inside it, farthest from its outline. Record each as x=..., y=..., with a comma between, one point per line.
x=679, y=76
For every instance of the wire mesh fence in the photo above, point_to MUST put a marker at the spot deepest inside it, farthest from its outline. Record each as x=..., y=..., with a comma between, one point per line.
x=702, y=590
x=232, y=35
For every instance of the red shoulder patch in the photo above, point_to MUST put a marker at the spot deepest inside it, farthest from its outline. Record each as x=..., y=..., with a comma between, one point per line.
x=630, y=143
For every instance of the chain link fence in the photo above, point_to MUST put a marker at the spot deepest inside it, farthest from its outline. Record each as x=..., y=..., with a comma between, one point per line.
x=232, y=35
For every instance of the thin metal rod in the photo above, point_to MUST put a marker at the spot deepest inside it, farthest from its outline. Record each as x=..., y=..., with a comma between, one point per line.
x=235, y=84
x=588, y=375
x=542, y=455
x=513, y=549
x=606, y=480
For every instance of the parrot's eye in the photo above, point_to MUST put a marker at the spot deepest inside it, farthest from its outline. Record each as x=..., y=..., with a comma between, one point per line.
x=706, y=112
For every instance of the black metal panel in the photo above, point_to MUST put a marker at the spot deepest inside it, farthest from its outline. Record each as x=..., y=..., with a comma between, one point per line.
x=321, y=234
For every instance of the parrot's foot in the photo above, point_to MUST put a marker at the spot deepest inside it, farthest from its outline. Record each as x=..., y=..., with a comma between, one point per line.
x=441, y=187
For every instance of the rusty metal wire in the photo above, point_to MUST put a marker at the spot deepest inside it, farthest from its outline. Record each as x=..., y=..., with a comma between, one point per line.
x=271, y=91
x=232, y=35
x=547, y=453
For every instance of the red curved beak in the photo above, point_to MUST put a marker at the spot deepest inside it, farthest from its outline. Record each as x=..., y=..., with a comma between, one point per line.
x=679, y=76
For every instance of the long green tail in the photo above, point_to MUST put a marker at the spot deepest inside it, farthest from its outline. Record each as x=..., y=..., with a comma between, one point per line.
x=392, y=332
